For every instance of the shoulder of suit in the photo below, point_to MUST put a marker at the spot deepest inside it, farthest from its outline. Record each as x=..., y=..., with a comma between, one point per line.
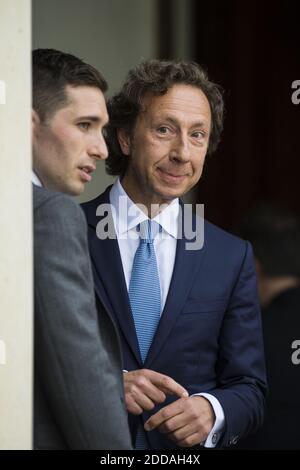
x=53, y=200
x=220, y=236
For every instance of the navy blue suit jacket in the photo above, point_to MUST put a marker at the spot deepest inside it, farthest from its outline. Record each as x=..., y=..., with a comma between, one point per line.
x=209, y=337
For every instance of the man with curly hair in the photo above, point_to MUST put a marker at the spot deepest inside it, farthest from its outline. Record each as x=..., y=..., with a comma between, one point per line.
x=186, y=313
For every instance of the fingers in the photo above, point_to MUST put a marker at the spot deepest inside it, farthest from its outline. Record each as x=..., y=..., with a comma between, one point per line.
x=136, y=403
x=165, y=414
x=133, y=407
x=145, y=388
x=188, y=421
x=173, y=424
x=139, y=383
x=191, y=440
x=168, y=385
x=143, y=385
x=140, y=393
x=179, y=430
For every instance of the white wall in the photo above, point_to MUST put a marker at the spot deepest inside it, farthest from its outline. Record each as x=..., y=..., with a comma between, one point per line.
x=112, y=35
x=16, y=232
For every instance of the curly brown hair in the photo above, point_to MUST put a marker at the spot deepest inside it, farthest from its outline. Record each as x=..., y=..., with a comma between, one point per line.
x=156, y=77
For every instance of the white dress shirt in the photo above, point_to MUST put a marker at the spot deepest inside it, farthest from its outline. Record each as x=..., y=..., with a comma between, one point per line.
x=35, y=179
x=127, y=216
x=126, y=223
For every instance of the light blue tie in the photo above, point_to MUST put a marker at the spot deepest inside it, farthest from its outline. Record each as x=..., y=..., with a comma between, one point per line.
x=144, y=295
x=144, y=288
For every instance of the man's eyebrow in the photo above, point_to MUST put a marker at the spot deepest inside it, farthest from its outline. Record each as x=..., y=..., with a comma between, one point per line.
x=89, y=118
x=194, y=124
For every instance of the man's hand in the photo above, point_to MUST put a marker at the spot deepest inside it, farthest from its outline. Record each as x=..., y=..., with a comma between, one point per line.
x=145, y=388
x=187, y=421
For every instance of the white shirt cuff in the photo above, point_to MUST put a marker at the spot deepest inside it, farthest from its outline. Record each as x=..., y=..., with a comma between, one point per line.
x=218, y=428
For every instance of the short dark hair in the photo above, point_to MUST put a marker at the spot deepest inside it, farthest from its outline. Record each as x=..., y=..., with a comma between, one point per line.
x=52, y=71
x=274, y=232
x=156, y=77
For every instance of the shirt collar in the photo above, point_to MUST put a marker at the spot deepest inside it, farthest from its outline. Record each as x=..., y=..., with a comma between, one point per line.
x=35, y=179
x=128, y=215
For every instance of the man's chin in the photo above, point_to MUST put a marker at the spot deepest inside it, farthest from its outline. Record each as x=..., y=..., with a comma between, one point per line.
x=168, y=194
x=75, y=190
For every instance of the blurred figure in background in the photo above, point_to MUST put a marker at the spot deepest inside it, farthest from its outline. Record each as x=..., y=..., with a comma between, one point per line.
x=275, y=235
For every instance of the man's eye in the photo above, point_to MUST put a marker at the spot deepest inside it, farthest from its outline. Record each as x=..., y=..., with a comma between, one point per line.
x=84, y=125
x=163, y=130
x=198, y=134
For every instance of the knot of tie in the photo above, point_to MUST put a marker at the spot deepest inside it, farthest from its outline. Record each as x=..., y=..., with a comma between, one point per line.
x=148, y=230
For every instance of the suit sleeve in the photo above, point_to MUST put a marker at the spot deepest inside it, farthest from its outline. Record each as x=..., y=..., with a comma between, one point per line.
x=82, y=387
x=241, y=365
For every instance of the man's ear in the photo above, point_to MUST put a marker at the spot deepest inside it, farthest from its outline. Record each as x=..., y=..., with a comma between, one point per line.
x=124, y=141
x=35, y=120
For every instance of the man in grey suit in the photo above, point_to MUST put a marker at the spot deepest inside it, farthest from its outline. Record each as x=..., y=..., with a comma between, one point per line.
x=78, y=391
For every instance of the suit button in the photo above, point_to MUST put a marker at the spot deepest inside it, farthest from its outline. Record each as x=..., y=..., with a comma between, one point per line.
x=233, y=440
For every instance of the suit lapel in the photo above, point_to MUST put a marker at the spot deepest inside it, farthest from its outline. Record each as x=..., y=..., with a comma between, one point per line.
x=109, y=278
x=186, y=267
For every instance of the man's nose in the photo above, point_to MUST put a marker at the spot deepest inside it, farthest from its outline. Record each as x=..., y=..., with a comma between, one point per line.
x=98, y=148
x=181, y=149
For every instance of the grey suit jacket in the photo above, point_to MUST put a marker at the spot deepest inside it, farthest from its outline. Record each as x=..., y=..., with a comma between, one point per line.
x=78, y=387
